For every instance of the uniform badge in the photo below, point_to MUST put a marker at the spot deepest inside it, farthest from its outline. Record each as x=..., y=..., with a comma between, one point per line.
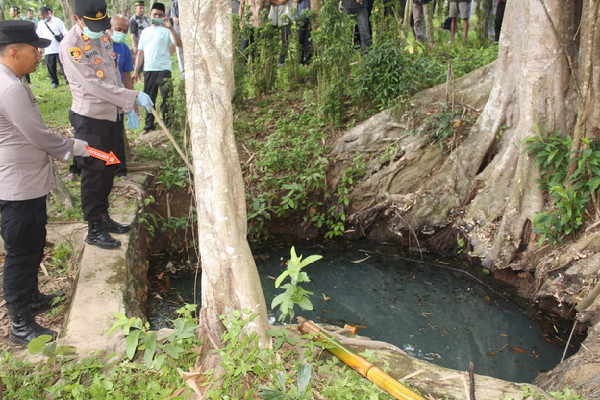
x=98, y=61
x=75, y=53
x=85, y=38
x=105, y=38
x=100, y=74
x=114, y=55
x=87, y=47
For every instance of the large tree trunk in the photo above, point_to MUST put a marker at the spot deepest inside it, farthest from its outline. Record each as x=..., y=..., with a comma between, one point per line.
x=230, y=279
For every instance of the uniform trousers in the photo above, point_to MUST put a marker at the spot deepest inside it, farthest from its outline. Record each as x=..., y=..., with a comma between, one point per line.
x=153, y=82
x=24, y=232
x=53, y=64
x=96, y=177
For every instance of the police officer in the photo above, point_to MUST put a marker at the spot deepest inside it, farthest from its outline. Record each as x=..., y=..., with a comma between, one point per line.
x=99, y=99
x=26, y=177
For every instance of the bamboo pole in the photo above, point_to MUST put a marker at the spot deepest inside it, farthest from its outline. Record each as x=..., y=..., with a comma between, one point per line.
x=172, y=139
x=357, y=363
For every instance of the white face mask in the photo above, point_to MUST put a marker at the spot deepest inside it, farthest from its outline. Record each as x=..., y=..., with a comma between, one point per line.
x=118, y=37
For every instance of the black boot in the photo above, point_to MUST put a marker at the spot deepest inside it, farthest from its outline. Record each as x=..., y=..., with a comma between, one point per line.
x=112, y=226
x=98, y=236
x=43, y=302
x=24, y=328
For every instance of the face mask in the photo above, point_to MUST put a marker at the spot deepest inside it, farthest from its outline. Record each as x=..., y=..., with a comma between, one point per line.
x=91, y=34
x=118, y=37
x=157, y=21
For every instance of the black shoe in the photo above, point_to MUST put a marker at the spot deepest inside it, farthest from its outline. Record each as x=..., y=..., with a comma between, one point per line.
x=43, y=302
x=98, y=236
x=24, y=328
x=112, y=226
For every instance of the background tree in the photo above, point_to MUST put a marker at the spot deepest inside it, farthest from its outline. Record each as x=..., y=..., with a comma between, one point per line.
x=546, y=75
x=229, y=276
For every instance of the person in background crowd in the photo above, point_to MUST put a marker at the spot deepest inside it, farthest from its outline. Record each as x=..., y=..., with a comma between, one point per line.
x=26, y=177
x=51, y=28
x=304, y=28
x=29, y=16
x=174, y=17
x=154, y=52
x=499, y=17
x=421, y=11
x=235, y=6
x=359, y=8
x=119, y=27
x=462, y=8
x=280, y=16
x=138, y=23
x=99, y=100
x=13, y=12
x=254, y=9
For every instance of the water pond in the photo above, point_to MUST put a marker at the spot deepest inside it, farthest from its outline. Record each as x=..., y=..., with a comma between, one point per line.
x=431, y=309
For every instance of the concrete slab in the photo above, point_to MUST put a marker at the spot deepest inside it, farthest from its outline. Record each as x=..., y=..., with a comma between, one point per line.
x=108, y=281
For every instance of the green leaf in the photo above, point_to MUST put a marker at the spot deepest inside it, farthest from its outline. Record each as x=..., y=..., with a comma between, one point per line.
x=305, y=303
x=278, y=300
x=131, y=343
x=268, y=393
x=304, y=375
x=38, y=344
x=281, y=277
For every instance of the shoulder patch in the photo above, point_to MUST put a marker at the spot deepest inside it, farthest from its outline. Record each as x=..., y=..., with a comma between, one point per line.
x=75, y=53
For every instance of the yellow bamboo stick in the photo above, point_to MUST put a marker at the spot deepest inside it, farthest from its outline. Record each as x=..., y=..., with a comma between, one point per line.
x=357, y=363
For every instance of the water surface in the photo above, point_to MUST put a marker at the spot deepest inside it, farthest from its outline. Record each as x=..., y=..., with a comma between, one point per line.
x=433, y=311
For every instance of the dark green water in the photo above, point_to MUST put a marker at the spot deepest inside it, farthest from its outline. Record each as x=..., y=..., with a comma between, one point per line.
x=432, y=311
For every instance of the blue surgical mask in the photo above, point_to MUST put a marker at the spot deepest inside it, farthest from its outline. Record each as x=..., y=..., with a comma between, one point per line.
x=91, y=34
x=157, y=21
x=118, y=37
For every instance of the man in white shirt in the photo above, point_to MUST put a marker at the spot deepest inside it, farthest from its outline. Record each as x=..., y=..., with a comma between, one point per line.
x=51, y=28
x=154, y=51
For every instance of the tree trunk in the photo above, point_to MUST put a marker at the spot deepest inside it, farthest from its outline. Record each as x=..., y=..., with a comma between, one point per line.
x=486, y=185
x=68, y=7
x=229, y=276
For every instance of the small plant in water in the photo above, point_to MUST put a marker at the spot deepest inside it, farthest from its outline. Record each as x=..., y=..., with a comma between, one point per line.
x=293, y=294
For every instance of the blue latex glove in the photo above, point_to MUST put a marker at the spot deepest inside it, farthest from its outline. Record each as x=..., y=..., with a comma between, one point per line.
x=132, y=120
x=143, y=100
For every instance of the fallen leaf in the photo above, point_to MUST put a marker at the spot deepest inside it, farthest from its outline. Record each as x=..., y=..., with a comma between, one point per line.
x=350, y=328
x=325, y=297
x=518, y=350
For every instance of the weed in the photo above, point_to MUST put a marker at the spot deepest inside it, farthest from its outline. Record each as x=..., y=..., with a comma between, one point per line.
x=571, y=194
x=155, y=352
x=293, y=295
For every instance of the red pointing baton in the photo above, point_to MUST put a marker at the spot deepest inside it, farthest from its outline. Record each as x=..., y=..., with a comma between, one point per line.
x=110, y=158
